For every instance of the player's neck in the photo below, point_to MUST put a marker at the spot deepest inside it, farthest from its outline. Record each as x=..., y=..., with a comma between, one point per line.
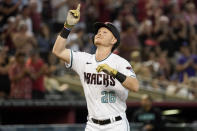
x=102, y=53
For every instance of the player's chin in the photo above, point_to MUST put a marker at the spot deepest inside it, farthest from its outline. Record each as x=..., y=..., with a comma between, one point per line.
x=97, y=42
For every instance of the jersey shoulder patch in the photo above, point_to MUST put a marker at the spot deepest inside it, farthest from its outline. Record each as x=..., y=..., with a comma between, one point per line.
x=130, y=69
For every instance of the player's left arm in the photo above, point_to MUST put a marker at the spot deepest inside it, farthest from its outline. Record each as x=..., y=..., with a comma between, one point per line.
x=129, y=82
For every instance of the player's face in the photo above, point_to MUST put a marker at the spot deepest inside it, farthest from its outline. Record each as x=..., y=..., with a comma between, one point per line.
x=104, y=37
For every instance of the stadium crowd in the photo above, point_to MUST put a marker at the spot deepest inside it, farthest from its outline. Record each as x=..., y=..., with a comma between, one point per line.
x=159, y=37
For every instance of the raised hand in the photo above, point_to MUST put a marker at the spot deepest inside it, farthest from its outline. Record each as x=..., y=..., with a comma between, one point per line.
x=72, y=17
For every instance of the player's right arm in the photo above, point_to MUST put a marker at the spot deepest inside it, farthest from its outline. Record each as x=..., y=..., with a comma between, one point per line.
x=59, y=48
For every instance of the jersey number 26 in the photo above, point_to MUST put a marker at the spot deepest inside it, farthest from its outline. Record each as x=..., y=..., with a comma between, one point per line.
x=108, y=97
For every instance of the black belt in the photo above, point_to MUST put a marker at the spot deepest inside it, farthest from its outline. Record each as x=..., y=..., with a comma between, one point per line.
x=107, y=121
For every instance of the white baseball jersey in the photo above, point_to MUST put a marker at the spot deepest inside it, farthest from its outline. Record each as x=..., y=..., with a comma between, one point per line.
x=104, y=94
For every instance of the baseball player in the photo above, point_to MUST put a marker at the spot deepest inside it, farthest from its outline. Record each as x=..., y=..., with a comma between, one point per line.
x=106, y=78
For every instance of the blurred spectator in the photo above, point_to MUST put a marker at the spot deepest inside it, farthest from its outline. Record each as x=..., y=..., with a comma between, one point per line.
x=23, y=41
x=91, y=14
x=7, y=9
x=4, y=78
x=141, y=12
x=162, y=32
x=54, y=69
x=35, y=15
x=127, y=13
x=129, y=42
x=38, y=69
x=149, y=116
x=47, y=12
x=44, y=41
x=60, y=9
x=165, y=67
x=154, y=9
x=136, y=61
x=172, y=87
x=146, y=34
x=8, y=33
x=193, y=87
x=105, y=9
x=140, y=69
x=152, y=63
x=157, y=85
x=20, y=77
x=53, y=65
x=38, y=4
x=175, y=11
x=25, y=17
x=187, y=63
x=118, y=22
x=129, y=18
x=193, y=44
x=75, y=40
x=190, y=13
x=184, y=88
x=177, y=33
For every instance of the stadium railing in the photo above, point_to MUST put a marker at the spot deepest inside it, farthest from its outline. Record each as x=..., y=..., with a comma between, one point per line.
x=74, y=84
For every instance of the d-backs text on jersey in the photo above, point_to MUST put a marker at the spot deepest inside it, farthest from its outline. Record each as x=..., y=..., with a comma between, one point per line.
x=99, y=79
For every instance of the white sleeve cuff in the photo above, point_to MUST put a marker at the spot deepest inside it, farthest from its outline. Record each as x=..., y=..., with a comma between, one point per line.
x=133, y=76
x=71, y=60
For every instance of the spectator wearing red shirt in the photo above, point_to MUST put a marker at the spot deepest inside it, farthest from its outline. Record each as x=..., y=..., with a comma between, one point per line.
x=38, y=70
x=142, y=11
x=20, y=77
